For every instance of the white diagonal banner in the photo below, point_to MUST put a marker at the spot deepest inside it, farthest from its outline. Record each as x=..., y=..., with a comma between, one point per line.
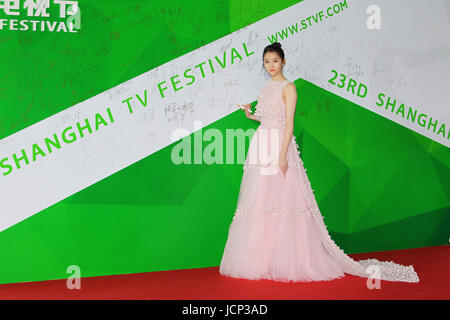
x=407, y=59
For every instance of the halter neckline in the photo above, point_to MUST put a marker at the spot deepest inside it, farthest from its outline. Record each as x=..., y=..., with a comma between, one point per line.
x=279, y=81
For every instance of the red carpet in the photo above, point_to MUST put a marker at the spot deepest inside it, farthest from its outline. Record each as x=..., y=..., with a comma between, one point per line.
x=431, y=264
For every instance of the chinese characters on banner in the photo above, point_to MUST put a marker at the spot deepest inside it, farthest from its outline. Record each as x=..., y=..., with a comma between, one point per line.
x=36, y=15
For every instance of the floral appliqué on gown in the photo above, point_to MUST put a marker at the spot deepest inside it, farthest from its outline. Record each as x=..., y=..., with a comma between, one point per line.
x=278, y=232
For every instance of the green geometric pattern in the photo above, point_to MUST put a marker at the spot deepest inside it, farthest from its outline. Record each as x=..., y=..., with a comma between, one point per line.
x=154, y=215
x=379, y=185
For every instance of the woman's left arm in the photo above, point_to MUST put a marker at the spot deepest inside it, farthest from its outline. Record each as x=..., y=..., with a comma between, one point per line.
x=291, y=102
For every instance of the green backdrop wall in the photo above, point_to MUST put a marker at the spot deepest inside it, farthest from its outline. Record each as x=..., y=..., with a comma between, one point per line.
x=375, y=192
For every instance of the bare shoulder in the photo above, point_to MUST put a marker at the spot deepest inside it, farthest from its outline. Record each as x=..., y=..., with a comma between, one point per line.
x=291, y=86
x=290, y=89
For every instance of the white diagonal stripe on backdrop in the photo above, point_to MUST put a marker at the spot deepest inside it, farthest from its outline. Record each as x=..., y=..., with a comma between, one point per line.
x=407, y=59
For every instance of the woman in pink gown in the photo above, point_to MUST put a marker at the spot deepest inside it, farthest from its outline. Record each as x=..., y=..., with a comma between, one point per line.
x=278, y=232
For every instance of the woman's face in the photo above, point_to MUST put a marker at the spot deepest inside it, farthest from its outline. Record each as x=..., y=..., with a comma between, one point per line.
x=273, y=63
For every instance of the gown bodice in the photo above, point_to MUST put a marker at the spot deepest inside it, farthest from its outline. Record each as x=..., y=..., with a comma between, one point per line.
x=271, y=109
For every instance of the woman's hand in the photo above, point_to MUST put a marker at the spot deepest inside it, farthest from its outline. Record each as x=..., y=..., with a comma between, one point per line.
x=283, y=164
x=246, y=108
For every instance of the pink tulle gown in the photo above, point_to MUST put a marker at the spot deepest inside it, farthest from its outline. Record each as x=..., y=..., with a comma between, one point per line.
x=278, y=232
